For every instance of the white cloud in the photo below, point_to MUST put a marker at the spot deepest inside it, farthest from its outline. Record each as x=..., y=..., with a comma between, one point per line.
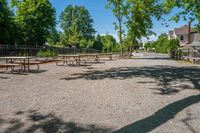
x=150, y=38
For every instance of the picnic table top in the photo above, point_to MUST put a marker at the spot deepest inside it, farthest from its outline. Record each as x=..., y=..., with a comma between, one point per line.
x=105, y=53
x=77, y=55
x=16, y=57
x=88, y=54
x=67, y=55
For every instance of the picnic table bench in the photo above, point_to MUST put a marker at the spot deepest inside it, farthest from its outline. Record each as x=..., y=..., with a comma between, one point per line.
x=24, y=62
x=12, y=66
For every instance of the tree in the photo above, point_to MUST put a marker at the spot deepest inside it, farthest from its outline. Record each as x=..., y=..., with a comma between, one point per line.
x=164, y=45
x=139, y=19
x=77, y=24
x=190, y=10
x=98, y=43
x=118, y=8
x=7, y=25
x=36, y=19
x=148, y=46
x=109, y=43
x=53, y=38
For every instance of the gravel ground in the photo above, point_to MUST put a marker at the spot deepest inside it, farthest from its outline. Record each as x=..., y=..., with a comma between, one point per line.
x=145, y=94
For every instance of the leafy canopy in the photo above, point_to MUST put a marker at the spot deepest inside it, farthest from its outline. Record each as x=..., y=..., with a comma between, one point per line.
x=190, y=10
x=7, y=26
x=36, y=19
x=77, y=25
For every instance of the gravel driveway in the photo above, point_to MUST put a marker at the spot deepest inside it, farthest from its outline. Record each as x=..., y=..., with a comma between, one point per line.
x=146, y=94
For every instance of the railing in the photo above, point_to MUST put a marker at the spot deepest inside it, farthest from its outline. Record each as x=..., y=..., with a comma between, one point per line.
x=189, y=52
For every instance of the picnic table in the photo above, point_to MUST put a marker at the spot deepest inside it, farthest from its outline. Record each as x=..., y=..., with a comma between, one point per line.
x=109, y=55
x=91, y=57
x=67, y=59
x=19, y=61
x=78, y=58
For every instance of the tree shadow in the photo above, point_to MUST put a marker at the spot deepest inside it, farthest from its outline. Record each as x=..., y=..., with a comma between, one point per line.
x=20, y=72
x=168, y=79
x=47, y=123
x=4, y=77
x=160, y=117
x=151, y=58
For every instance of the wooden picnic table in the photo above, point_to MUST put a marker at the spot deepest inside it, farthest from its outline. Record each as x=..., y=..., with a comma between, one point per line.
x=79, y=57
x=89, y=56
x=68, y=58
x=24, y=61
x=109, y=55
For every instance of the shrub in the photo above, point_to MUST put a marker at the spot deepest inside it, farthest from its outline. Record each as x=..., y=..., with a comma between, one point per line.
x=47, y=53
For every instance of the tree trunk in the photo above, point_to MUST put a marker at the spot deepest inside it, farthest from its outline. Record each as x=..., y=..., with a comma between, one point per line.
x=120, y=37
x=130, y=51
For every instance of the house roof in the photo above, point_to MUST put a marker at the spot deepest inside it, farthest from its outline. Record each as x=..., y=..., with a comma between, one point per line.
x=182, y=31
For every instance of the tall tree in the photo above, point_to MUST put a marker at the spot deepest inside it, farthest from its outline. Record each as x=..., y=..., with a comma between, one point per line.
x=139, y=19
x=36, y=19
x=98, y=42
x=118, y=8
x=108, y=42
x=77, y=24
x=6, y=24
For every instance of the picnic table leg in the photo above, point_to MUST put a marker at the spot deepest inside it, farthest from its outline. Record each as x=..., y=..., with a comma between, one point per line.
x=29, y=65
x=24, y=64
x=110, y=57
x=6, y=66
x=79, y=60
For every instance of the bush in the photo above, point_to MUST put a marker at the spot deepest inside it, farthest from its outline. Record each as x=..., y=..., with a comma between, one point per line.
x=47, y=53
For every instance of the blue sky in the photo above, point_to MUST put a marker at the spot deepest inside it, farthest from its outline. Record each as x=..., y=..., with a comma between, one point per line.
x=103, y=18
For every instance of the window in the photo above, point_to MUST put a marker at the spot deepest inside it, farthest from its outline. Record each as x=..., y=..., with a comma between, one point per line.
x=182, y=38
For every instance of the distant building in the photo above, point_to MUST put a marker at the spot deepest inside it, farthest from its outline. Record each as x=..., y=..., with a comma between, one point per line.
x=185, y=34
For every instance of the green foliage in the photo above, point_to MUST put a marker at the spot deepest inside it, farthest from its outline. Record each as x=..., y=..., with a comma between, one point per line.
x=7, y=25
x=109, y=43
x=77, y=25
x=173, y=45
x=53, y=38
x=164, y=45
x=118, y=8
x=137, y=16
x=148, y=46
x=98, y=43
x=190, y=10
x=47, y=53
x=139, y=19
x=36, y=20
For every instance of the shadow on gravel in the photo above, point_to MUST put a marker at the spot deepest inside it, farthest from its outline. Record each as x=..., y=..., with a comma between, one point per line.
x=152, y=58
x=4, y=77
x=47, y=123
x=170, y=80
x=23, y=73
x=160, y=117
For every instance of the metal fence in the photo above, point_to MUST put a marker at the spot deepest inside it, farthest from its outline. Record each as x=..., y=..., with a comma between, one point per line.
x=6, y=50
